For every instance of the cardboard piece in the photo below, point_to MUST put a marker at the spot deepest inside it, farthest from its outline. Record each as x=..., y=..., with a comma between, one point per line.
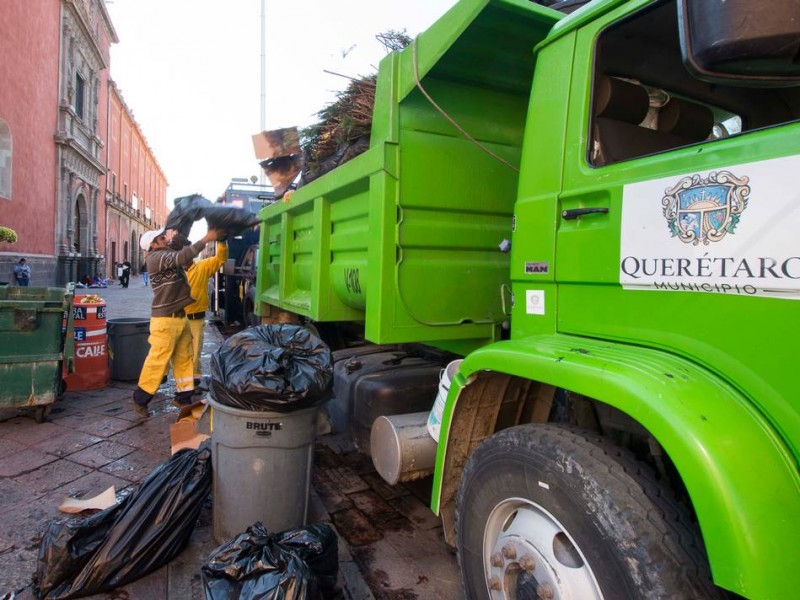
x=102, y=501
x=280, y=156
x=276, y=143
x=282, y=172
x=184, y=433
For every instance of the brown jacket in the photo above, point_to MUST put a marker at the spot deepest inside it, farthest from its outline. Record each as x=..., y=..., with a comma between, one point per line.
x=171, y=291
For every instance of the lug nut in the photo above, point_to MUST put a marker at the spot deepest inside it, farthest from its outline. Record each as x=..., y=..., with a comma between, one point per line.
x=509, y=551
x=496, y=560
x=495, y=584
x=527, y=563
x=545, y=591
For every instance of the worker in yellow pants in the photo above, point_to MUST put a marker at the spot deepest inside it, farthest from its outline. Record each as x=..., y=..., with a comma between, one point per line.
x=198, y=274
x=170, y=336
x=170, y=340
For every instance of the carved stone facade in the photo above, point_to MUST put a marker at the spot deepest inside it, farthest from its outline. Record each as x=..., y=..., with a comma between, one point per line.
x=86, y=35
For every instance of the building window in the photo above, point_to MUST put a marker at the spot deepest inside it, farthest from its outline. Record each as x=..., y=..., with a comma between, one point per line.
x=5, y=160
x=79, y=93
x=125, y=192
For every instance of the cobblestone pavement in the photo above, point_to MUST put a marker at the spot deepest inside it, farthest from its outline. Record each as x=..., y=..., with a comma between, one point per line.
x=391, y=545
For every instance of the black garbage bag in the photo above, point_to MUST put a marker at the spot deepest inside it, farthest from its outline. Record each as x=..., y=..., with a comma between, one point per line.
x=189, y=209
x=279, y=368
x=81, y=557
x=299, y=564
x=318, y=546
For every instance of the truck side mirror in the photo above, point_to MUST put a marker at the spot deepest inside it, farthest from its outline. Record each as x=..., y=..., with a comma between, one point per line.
x=741, y=42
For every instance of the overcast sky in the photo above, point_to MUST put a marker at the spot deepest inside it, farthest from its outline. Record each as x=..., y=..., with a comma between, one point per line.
x=190, y=72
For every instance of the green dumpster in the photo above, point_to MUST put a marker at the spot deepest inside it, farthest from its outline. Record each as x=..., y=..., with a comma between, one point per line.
x=32, y=345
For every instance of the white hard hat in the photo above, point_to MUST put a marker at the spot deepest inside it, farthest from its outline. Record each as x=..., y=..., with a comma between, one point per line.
x=148, y=237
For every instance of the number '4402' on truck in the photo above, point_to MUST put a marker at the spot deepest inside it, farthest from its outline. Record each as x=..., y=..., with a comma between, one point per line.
x=598, y=211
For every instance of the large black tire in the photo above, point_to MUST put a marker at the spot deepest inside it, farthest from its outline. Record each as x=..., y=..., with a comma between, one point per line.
x=592, y=518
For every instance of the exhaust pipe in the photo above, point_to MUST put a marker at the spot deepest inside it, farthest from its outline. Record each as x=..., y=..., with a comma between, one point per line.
x=401, y=447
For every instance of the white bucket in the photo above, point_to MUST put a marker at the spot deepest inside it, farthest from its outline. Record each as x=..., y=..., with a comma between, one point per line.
x=435, y=418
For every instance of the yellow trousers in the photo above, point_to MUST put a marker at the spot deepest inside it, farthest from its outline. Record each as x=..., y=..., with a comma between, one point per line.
x=198, y=331
x=170, y=340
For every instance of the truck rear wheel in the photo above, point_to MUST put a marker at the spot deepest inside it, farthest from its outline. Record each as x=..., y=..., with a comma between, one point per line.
x=550, y=512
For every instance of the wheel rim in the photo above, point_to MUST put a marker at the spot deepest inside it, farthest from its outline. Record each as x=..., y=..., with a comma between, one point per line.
x=528, y=554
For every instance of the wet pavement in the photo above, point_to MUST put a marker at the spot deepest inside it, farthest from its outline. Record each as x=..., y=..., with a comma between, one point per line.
x=391, y=546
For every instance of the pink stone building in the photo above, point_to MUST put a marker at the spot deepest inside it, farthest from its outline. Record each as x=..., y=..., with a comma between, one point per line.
x=78, y=182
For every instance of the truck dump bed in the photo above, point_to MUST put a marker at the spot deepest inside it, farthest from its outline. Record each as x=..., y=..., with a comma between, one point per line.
x=406, y=236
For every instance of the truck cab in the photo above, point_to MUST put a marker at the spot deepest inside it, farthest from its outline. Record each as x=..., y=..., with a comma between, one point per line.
x=625, y=422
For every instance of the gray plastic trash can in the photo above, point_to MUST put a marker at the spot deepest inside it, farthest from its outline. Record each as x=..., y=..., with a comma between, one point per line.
x=261, y=468
x=127, y=347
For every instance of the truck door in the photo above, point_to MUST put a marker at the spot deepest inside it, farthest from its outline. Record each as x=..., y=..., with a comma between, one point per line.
x=679, y=209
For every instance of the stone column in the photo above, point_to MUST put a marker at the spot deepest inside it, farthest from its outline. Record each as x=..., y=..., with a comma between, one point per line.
x=63, y=214
x=64, y=217
x=93, y=222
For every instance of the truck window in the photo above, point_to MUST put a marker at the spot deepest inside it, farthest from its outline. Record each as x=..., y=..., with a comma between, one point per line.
x=645, y=102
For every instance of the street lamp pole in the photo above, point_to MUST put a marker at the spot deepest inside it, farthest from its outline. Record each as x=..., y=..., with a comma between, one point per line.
x=263, y=75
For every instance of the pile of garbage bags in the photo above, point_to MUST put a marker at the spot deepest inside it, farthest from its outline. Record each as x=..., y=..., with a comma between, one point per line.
x=299, y=564
x=279, y=368
x=118, y=545
x=150, y=527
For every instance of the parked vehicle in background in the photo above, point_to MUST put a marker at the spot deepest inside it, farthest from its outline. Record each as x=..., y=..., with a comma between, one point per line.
x=598, y=212
x=231, y=284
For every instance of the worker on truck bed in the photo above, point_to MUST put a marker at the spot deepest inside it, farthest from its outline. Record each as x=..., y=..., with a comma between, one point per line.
x=170, y=337
x=198, y=274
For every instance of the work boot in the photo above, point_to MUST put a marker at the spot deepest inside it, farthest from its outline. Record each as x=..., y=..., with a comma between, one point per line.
x=140, y=401
x=187, y=398
x=141, y=410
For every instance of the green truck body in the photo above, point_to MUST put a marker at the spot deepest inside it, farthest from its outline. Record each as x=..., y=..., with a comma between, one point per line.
x=654, y=271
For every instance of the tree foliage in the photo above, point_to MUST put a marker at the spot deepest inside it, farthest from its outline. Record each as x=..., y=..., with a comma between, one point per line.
x=343, y=127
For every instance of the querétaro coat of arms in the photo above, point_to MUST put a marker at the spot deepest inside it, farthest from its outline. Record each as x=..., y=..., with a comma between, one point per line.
x=700, y=211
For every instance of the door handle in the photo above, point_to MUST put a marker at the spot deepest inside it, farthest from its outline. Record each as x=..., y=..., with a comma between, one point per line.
x=574, y=213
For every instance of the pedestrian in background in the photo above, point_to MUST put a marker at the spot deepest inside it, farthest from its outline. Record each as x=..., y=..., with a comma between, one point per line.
x=126, y=273
x=145, y=276
x=170, y=337
x=22, y=272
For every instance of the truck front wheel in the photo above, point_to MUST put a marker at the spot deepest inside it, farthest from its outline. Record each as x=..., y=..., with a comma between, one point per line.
x=550, y=512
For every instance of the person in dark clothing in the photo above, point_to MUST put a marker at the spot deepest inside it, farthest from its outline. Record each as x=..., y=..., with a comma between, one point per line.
x=126, y=273
x=170, y=337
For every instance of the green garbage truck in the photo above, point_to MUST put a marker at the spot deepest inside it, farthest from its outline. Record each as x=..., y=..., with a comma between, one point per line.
x=598, y=211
